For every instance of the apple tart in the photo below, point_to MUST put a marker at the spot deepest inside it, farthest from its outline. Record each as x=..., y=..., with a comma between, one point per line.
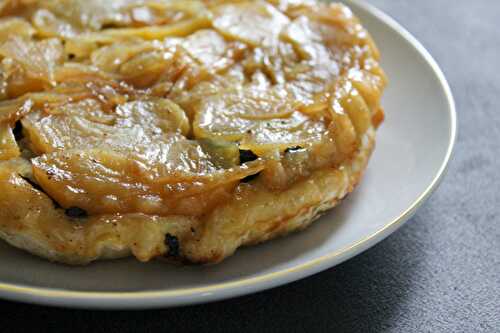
x=178, y=129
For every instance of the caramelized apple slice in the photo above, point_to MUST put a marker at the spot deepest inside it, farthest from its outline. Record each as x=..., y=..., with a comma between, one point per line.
x=253, y=22
x=8, y=144
x=38, y=59
x=165, y=178
x=14, y=26
x=85, y=124
x=261, y=120
x=211, y=50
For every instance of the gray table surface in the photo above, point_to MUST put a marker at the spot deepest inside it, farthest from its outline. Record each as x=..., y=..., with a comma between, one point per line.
x=439, y=273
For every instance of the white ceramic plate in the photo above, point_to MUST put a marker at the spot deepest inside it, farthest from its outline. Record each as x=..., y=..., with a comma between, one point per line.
x=413, y=149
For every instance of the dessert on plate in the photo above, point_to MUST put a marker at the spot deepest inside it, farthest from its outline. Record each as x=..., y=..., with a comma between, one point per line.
x=178, y=129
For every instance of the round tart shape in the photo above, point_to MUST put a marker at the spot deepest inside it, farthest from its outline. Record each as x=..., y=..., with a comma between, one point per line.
x=178, y=129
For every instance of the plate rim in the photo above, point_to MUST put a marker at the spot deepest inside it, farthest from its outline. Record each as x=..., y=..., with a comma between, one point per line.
x=189, y=296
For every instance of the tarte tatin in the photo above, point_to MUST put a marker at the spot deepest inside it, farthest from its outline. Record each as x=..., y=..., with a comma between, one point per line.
x=178, y=129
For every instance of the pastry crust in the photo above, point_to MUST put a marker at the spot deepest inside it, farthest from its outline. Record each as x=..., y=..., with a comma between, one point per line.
x=181, y=136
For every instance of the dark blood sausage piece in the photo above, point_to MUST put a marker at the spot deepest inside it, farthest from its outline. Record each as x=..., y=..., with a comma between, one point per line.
x=18, y=131
x=247, y=156
x=75, y=212
x=172, y=243
x=32, y=183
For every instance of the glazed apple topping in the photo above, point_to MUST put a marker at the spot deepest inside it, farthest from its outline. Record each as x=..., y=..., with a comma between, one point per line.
x=154, y=106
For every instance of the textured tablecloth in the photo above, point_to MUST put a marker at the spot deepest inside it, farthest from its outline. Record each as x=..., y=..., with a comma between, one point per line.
x=439, y=273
